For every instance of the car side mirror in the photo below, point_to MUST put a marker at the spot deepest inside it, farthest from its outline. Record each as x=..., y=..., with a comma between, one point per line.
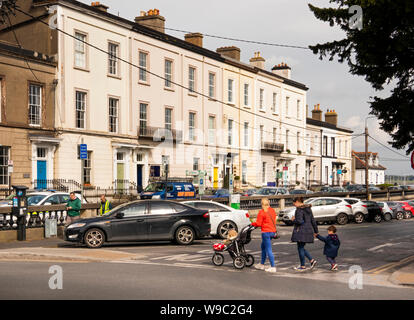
x=119, y=215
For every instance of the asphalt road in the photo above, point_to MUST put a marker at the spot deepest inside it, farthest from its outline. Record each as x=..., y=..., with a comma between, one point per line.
x=174, y=272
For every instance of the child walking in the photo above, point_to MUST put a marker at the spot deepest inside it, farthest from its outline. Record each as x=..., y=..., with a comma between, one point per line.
x=331, y=247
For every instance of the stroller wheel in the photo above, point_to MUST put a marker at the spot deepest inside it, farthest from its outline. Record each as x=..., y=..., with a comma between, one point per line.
x=239, y=262
x=218, y=259
x=249, y=260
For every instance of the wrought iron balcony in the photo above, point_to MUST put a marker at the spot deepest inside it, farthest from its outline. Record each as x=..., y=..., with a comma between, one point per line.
x=159, y=133
x=272, y=147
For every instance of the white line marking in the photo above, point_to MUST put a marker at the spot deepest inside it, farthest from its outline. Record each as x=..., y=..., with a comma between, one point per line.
x=382, y=246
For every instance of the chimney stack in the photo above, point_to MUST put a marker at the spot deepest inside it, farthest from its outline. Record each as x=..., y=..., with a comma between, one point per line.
x=282, y=70
x=194, y=38
x=257, y=61
x=231, y=52
x=152, y=19
x=100, y=6
x=317, y=112
x=331, y=117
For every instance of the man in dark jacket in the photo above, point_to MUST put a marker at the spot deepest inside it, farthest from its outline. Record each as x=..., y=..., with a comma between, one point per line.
x=303, y=231
x=331, y=247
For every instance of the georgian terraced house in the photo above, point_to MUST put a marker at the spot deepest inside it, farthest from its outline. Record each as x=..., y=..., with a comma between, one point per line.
x=216, y=111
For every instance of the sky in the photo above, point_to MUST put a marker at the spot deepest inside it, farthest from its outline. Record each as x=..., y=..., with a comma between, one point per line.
x=287, y=22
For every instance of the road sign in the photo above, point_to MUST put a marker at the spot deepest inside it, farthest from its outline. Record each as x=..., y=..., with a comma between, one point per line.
x=83, y=151
x=339, y=171
x=285, y=168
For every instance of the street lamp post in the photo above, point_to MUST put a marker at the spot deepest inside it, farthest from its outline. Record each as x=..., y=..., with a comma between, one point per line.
x=366, y=157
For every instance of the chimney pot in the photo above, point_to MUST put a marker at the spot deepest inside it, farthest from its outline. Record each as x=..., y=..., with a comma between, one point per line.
x=151, y=19
x=231, y=52
x=99, y=6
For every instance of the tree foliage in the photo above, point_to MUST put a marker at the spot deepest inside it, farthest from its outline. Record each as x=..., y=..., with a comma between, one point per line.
x=383, y=52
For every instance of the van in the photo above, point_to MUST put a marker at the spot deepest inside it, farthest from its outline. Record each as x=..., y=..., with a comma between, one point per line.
x=169, y=190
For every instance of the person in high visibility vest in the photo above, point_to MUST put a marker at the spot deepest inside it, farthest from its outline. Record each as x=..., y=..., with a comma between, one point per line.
x=106, y=206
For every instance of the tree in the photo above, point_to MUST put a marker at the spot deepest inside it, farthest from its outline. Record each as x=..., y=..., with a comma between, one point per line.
x=383, y=52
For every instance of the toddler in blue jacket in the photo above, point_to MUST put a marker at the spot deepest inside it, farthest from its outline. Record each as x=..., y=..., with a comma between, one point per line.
x=331, y=248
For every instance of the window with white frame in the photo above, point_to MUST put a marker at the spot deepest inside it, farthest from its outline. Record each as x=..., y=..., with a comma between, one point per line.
x=261, y=135
x=191, y=79
x=333, y=147
x=298, y=110
x=230, y=132
x=113, y=61
x=287, y=107
x=35, y=104
x=274, y=103
x=196, y=162
x=4, y=165
x=143, y=118
x=211, y=130
x=80, y=50
x=80, y=109
x=346, y=148
x=263, y=172
x=244, y=172
x=230, y=90
x=261, y=99
x=339, y=147
x=168, y=66
x=287, y=140
x=87, y=168
x=143, y=66
x=168, y=118
x=298, y=141
x=113, y=114
x=41, y=153
x=191, y=126
x=211, y=85
x=246, y=94
x=246, y=134
x=297, y=172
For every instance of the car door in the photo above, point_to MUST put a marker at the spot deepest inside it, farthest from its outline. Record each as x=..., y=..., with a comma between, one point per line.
x=170, y=192
x=162, y=216
x=133, y=225
x=318, y=208
x=63, y=198
x=217, y=213
x=52, y=200
x=331, y=208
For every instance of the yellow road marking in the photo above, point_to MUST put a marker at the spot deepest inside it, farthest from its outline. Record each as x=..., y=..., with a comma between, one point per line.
x=390, y=265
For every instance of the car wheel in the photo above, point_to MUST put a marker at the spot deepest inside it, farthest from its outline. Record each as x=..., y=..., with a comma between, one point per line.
x=399, y=215
x=359, y=217
x=239, y=262
x=249, y=260
x=224, y=228
x=407, y=215
x=94, y=238
x=387, y=217
x=184, y=235
x=377, y=218
x=218, y=259
x=342, y=218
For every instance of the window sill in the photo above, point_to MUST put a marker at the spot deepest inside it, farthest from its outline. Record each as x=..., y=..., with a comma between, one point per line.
x=192, y=94
x=169, y=89
x=81, y=69
x=262, y=110
x=35, y=125
x=144, y=83
x=114, y=76
x=212, y=99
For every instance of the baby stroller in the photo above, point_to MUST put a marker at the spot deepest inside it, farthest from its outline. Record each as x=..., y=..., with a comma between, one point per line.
x=236, y=250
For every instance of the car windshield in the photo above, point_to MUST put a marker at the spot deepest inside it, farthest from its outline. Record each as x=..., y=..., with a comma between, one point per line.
x=35, y=199
x=297, y=191
x=155, y=187
x=265, y=191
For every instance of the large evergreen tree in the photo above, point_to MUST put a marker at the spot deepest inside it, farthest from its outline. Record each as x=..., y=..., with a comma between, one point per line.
x=383, y=52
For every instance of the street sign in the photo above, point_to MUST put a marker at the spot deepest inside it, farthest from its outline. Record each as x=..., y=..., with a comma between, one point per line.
x=339, y=171
x=83, y=151
x=285, y=168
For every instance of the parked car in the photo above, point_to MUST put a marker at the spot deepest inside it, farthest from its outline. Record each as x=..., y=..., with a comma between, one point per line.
x=355, y=188
x=359, y=209
x=148, y=220
x=169, y=190
x=408, y=209
x=219, y=193
x=272, y=191
x=398, y=211
x=222, y=217
x=337, y=189
x=374, y=189
x=374, y=211
x=249, y=192
x=44, y=198
x=394, y=188
x=386, y=210
x=325, y=209
x=300, y=191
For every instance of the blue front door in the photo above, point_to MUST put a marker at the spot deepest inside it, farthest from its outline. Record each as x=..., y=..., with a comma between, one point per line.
x=41, y=175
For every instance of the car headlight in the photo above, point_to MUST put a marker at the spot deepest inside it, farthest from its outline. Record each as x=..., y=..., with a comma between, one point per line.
x=76, y=225
x=156, y=197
